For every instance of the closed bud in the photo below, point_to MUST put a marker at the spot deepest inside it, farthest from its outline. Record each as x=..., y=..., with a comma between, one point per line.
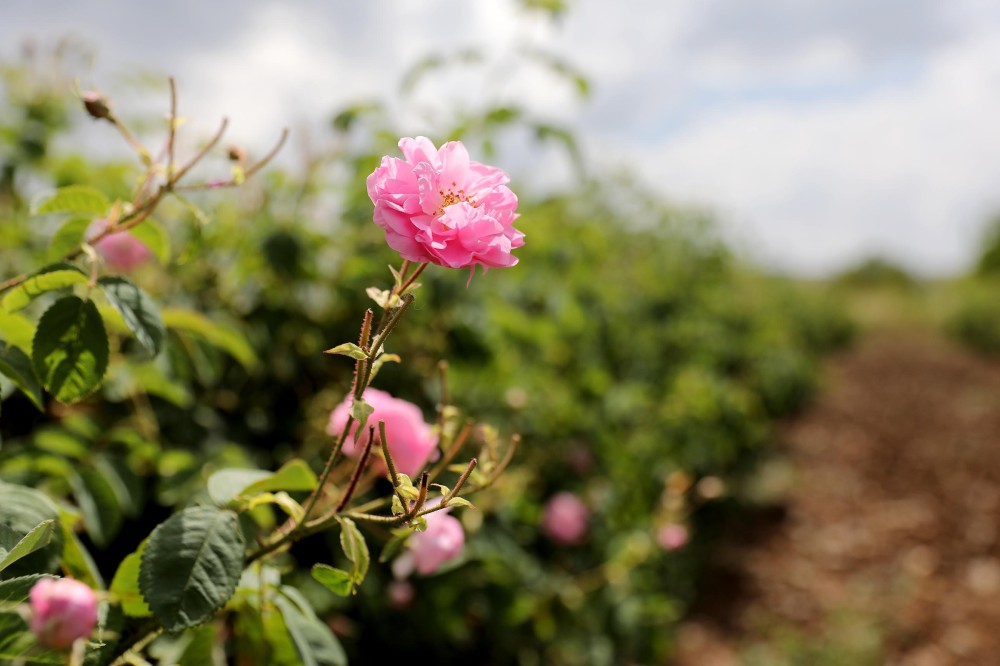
x=62, y=611
x=96, y=104
x=236, y=154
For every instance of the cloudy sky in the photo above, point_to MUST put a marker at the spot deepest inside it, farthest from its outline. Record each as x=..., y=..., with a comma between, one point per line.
x=819, y=131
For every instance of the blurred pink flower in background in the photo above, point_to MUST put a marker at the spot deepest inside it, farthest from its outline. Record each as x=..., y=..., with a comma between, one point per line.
x=438, y=206
x=62, y=610
x=400, y=593
x=672, y=536
x=565, y=519
x=411, y=440
x=121, y=251
x=441, y=542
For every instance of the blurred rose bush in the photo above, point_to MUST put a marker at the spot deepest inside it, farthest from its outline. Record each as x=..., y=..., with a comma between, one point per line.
x=641, y=349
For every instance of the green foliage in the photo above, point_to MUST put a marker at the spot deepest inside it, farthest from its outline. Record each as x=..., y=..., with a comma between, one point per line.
x=75, y=199
x=16, y=366
x=137, y=309
x=70, y=349
x=876, y=272
x=50, y=278
x=628, y=347
x=24, y=511
x=39, y=537
x=191, y=565
x=975, y=320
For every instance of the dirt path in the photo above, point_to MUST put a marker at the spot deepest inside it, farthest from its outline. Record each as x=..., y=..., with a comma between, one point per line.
x=886, y=549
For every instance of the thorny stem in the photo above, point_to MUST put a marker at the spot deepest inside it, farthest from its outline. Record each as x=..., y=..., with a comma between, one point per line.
x=358, y=470
x=416, y=274
x=143, y=209
x=251, y=170
x=461, y=482
x=173, y=128
x=291, y=529
x=453, y=450
x=389, y=463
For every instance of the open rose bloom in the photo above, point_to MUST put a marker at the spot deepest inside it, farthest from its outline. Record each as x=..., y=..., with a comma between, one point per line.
x=62, y=610
x=438, y=206
x=411, y=440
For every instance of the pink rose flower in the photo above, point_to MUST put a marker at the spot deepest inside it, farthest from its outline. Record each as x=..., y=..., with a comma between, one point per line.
x=565, y=519
x=438, y=206
x=672, y=536
x=121, y=250
x=62, y=610
x=411, y=440
x=441, y=542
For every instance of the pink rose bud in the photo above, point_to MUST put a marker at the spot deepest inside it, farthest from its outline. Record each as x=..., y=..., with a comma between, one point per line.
x=121, y=250
x=672, y=536
x=62, y=610
x=565, y=519
x=411, y=440
x=438, y=206
x=441, y=542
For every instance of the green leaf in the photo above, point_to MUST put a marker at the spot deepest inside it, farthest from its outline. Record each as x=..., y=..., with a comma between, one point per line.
x=124, y=482
x=315, y=643
x=460, y=501
x=39, y=537
x=16, y=366
x=72, y=199
x=70, y=349
x=68, y=237
x=294, y=475
x=191, y=566
x=355, y=548
x=348, y=349
x=149, y=379
x=17, y=330
x=76, y=560
x=283, y=500
x=361, y=410
x=380, y=361
x=384, y=298
x=50, y=278
x=16, y=590
x=338, y=581
x=102, y=516
x=125, y=585
x=58, y=441
x=226, y=485
x=155, y=237
x=21, y=510
x=218, y=335
x=137, y=309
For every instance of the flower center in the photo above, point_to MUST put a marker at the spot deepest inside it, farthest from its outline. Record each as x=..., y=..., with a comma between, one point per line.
x=450, y=196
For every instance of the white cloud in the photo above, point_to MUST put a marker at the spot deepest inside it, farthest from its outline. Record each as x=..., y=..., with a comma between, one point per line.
x=909, y=171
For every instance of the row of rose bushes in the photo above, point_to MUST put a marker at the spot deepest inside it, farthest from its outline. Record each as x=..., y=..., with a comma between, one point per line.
x=641, y=363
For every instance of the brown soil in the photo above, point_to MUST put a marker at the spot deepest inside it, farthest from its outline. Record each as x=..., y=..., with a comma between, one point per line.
x=891, y=522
